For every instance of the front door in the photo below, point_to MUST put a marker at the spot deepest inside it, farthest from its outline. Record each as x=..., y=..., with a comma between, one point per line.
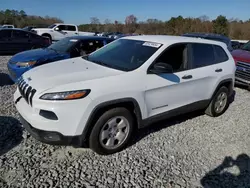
x=169, y=91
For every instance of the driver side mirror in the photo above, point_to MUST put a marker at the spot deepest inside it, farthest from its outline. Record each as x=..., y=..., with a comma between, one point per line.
x=161, y=67
x=57, y=29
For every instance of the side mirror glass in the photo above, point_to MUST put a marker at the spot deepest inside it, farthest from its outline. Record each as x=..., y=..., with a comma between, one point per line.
x=57, y=29
x=161, y=67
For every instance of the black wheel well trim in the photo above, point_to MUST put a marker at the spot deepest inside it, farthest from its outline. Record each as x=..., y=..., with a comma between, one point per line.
x=223, y=82
x=89, y=125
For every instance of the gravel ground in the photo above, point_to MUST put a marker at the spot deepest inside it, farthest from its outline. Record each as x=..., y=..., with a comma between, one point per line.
x=187, y=151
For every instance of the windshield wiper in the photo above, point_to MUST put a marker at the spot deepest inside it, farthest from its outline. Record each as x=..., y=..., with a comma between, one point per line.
x=110, y=66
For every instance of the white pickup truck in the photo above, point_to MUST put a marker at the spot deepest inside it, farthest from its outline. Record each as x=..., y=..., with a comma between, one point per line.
x=59, y=31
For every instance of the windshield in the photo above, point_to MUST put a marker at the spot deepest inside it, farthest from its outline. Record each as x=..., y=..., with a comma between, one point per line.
x=124, y=54
x=246, y=46
x=52, y=26
x=63, y=45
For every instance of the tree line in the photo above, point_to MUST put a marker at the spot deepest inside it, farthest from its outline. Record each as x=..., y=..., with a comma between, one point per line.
x=234, y=28
x=20, y=19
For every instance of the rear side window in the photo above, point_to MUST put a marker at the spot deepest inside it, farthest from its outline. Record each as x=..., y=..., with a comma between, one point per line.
x=71, y=28
x=20, y=34
x=5, y=34
x=203, y=55
x=221, y=55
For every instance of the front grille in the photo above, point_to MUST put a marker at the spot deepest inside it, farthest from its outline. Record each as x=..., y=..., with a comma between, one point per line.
x=26, y=91
x=243, y=71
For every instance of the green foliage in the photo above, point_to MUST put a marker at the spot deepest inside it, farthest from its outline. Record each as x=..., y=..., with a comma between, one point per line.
x=220, y=25
x=20, y=19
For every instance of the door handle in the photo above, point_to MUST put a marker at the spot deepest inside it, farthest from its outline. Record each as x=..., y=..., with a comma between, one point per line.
x=187, y=77
x=218, y=70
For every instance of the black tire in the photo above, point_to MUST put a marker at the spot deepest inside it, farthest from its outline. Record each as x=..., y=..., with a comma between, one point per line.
x=48, y=35
x=94, y=138
x=211, y=111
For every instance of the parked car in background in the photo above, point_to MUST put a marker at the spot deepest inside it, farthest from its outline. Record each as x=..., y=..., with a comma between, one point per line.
x=236, y=45
x=69, y=47
x=242, y=60
x=59, y=31
x=7, y=26
x=13, y=41
x=102, y=98
x=28, y=28
x=212, y=36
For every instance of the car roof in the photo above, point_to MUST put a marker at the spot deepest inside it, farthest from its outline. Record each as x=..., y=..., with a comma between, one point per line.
x=214, y=35
x=167, y=39
x=89, y=38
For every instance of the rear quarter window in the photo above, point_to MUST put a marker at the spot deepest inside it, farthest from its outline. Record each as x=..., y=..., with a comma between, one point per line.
x=221, y=55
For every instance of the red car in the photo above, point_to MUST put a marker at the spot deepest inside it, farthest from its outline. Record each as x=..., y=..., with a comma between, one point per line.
x=242, y=60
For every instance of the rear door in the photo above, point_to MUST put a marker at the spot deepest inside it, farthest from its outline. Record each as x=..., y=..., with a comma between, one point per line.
x=71, y=30
x=21, y=41
x=206, y=68
x=5, y=41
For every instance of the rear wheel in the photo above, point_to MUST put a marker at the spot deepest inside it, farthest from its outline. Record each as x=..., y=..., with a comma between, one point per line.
x=112, y=131
x=219, y=103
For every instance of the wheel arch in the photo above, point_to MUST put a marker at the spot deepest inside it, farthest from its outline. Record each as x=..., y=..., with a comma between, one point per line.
x=129, y=103
x=228, y=83
x=47, y=35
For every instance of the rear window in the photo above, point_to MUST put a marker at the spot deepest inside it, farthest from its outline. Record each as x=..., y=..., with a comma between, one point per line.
x=221, y=55
x=203, y=55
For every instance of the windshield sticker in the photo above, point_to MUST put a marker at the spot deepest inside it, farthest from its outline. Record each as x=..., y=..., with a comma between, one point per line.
x=73, y=40
x=152, y=44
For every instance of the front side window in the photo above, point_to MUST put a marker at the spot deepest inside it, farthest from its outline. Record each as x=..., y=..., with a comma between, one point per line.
x=246, y=46
x=63, y=45
x=203, y=55
x=62, y=27
x=176, y=56
x=124, y=54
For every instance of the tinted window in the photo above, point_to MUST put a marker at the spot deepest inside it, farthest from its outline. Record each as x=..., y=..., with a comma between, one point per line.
x=62, y=27
x=71, y=28
x=203, y=55
x=124, y=54
x=221, y=55
x=5, y=34
x=63, y=45
x=20, y=34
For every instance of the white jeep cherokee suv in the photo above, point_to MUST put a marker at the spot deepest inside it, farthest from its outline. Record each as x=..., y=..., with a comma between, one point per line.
x=100, y=99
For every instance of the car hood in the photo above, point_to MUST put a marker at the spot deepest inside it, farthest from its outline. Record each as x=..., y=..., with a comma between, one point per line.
x=41, y=54
x=241, y=55
x=65, y=72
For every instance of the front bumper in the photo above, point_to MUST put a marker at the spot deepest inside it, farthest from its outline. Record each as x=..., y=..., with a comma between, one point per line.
x=241, y=81
x=51, y=137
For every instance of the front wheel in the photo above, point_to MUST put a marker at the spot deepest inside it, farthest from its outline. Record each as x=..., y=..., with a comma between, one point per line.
x=219, y=103
x=112, y=131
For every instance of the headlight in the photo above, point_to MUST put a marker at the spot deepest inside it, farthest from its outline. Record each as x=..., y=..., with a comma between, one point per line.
x=67, y=95
x=26, y=64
